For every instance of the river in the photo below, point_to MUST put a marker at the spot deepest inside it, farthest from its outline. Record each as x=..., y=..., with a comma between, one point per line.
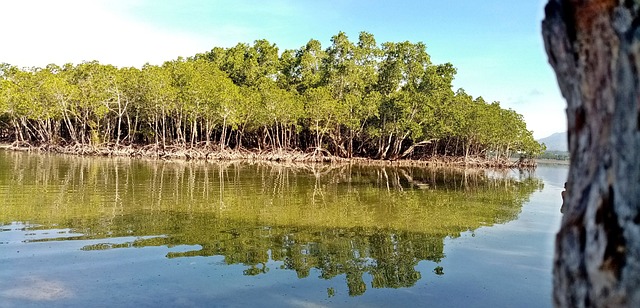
x=115, y=232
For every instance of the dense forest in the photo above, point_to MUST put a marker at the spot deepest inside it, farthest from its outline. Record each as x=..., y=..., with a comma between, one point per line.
x=352, y=99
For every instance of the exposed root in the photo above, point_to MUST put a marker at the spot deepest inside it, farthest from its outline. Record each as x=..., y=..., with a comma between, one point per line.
x=211, y=153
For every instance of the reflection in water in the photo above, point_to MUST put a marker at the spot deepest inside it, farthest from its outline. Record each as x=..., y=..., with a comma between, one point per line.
x=38, y=289
x=340, y=220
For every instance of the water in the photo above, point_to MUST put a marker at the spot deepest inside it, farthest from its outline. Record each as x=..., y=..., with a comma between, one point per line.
x=78, y=232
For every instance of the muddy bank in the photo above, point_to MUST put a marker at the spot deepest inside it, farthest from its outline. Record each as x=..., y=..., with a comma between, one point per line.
x=285, y=156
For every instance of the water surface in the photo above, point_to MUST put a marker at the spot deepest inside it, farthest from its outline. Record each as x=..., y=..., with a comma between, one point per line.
x=118, y=232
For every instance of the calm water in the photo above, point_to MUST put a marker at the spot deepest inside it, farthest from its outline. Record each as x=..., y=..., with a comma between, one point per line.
x=79, y=232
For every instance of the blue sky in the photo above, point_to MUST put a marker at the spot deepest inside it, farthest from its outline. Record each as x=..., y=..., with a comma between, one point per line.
x=495, y=44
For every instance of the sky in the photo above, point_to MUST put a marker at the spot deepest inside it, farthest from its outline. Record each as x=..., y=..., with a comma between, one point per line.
x=496, y=45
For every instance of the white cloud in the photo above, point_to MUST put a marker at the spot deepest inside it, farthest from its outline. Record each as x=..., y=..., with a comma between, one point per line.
x=39, y=32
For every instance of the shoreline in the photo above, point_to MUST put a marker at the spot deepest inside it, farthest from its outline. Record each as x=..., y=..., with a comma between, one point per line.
x=546, y=161
x=177, y=153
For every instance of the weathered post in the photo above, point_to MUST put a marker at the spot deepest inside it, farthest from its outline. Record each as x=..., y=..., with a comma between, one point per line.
x=594, y=48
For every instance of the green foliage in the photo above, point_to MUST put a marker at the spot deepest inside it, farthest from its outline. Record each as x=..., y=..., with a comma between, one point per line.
x=352, y=99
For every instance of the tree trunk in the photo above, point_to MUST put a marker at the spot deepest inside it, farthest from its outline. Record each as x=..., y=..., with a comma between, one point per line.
x=224, y=132
x=594, y=48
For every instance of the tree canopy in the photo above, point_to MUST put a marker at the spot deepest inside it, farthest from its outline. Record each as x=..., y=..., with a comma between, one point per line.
x=364, y=99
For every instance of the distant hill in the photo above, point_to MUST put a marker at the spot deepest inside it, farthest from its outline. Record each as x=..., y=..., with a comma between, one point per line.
x=556, y=142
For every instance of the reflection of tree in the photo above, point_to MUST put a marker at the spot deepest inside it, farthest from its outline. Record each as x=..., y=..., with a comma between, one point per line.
x=439, y=270
x=256, y=269
x=346, y=220
x=395, y=262
x=355, y=283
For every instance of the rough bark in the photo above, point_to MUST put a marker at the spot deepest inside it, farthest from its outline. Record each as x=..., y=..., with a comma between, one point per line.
x=594, y=48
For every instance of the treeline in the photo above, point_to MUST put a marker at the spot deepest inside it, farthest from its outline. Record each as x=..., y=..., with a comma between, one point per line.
x=351, y=99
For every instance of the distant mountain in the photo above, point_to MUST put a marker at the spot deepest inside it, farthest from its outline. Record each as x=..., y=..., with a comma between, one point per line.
x=556, y=142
